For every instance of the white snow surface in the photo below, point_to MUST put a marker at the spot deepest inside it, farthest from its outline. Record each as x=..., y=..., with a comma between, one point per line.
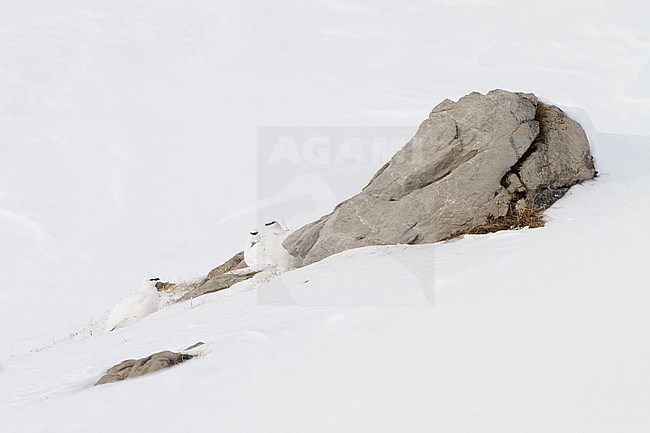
x=127, y=134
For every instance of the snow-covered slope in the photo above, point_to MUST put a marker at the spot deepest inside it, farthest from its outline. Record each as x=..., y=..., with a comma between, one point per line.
x=128, y=144
x=531, y=330
x=123, y=124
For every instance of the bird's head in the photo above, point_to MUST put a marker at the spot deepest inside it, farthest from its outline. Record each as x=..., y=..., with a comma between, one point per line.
x=253, y=238
x=274, y=227
x=153, y=282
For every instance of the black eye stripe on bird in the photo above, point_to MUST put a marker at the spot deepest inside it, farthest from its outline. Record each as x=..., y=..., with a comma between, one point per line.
x=154, y=279
x=270, y=223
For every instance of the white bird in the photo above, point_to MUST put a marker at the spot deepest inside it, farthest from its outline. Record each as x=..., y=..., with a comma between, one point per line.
x=274, y=252
x=138, y=304
x=254, y=251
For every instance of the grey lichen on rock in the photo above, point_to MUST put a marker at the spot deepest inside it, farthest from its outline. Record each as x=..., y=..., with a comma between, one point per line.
x=471, y=162
x=138, y=367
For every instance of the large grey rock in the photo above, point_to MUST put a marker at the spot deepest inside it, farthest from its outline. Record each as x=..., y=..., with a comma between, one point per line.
x=138, y=367
x=471, y=161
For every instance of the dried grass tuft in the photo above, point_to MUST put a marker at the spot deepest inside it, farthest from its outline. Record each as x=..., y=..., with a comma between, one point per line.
x=527, y=217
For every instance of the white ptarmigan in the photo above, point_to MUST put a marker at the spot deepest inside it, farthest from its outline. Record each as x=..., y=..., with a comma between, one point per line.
x=274, y=252
x=138, y=304
x=254, y=251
